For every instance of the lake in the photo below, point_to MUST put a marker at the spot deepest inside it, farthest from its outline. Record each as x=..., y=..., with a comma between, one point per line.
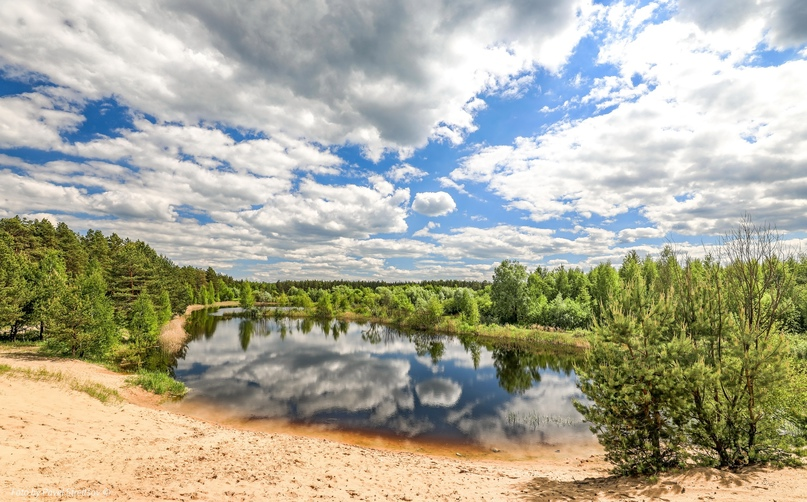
x=373, y=379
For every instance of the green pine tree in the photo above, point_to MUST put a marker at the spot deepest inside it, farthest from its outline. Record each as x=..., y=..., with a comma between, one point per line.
x=144, y=328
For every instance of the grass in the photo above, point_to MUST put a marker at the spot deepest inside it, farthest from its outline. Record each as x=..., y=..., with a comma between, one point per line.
x=20, y=343
x=576, y=338
x=159, y=383
x=96, y=390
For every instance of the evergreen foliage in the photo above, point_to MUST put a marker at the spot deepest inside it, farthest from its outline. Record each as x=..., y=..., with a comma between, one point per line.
x=82, y=295
x=700, y=371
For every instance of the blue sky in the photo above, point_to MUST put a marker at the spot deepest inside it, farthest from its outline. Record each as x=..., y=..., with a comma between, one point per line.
x=405, y=140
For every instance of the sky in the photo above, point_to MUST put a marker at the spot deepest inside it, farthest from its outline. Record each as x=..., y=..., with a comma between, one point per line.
x=405, y=139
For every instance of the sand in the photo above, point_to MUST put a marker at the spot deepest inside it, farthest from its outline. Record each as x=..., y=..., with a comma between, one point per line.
x=62, y=444
x=173, y=334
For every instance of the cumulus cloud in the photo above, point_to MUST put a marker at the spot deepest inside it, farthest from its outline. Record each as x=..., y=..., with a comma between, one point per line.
x=424, y=232
x=317, y=210
x=714, y=14
x=386, y=75
x=433, y=203
x=406, y=173
x=235, y=115
x=449, y=183
x=709, y=140
x=36, y=119
x=785, y=20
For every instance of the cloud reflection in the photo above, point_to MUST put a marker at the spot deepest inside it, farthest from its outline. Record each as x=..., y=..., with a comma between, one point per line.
x=312, y=377
x=440, y=392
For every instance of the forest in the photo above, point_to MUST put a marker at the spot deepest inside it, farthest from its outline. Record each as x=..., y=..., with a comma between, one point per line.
x=686, y=359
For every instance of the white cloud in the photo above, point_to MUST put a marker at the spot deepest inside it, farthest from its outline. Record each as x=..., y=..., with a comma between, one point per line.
x=406, y=173
x=633, y=234
x=688, y=135
x=709, y=126
x=36, y=120
x=384, y=75
x=424, y=232
x=526, y=243
x=449, y=183
x=433, y=203
x=319, y=211
x=786, y=20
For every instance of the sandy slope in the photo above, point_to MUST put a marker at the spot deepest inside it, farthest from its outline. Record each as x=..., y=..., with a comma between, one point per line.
x=66, y=445
x=53, y=438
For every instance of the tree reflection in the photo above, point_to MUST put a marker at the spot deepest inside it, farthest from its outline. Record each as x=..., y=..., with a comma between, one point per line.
x=516, y=369
x=371, y=334
x=428, y=344
x=201, y=323
x=518, y=365
x=339, y=328
x=245, y=330
x=473, y=347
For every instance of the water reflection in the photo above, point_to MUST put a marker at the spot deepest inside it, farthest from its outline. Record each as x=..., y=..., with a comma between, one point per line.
x=372, y=377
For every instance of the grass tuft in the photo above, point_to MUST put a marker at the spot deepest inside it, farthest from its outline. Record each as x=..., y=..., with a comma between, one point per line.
x=98, y=391
x=159, y=383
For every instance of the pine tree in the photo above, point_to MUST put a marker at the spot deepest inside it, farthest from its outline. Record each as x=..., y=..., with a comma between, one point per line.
x=163, y=308
x=12, y=284
x=637, y=389
x=144, y=328
x=702, y=365
x=82, y=318
x=72, y=252
x=49, y=281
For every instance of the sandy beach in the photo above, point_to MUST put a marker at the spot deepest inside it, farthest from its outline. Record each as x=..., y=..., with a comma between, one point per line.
x=62, y=444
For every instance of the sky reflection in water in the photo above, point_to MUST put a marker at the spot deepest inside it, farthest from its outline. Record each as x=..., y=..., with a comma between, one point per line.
x=365, y=377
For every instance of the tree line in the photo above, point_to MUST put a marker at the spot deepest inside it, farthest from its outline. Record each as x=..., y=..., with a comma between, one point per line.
x=562, y=298
x=93, y=296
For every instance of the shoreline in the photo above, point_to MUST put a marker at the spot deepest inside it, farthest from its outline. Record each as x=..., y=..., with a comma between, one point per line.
x=173, y=335
x=54, y=439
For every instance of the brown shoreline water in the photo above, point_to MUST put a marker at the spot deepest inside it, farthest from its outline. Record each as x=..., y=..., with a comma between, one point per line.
x=511, y=453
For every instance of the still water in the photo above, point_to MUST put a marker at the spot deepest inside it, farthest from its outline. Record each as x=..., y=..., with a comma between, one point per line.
x=372, y=378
